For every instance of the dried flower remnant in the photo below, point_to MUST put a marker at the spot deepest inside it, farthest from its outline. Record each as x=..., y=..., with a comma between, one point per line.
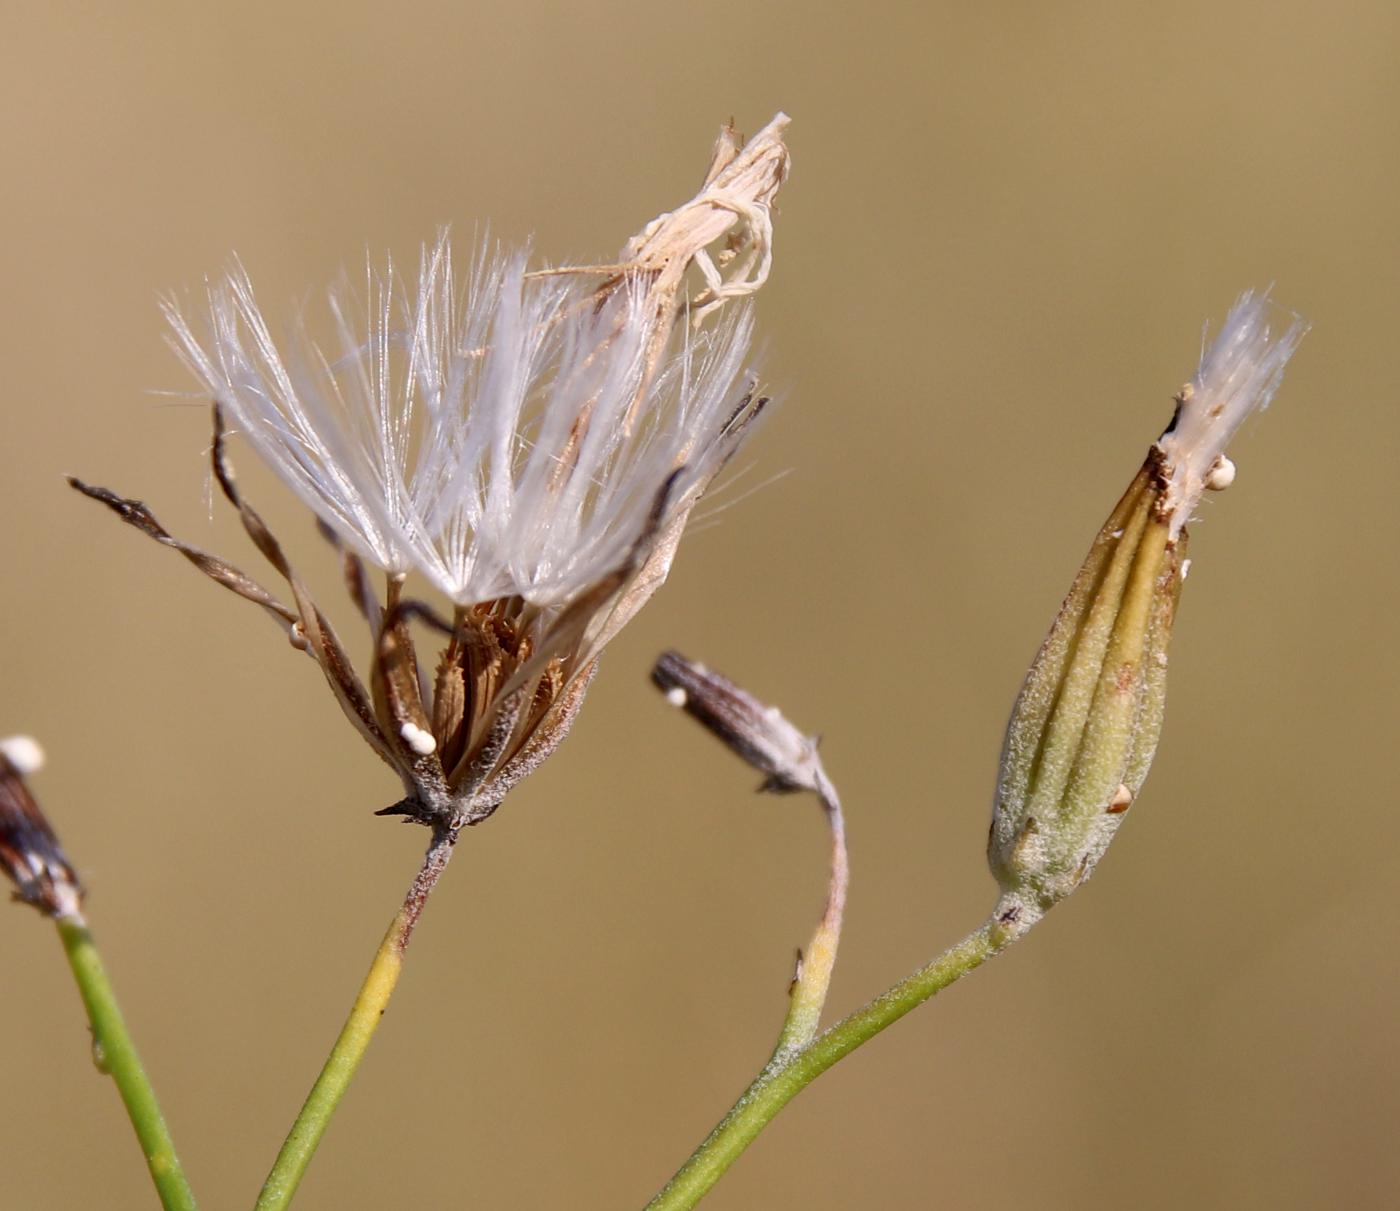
x=530, y=443
x=763, y=737
x=29, y=851
x=1085, y=726
x=757, y=733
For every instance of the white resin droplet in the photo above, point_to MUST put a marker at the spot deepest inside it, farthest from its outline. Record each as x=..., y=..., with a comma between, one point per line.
x=1221, y=474
x=24, y=753
x=420, y=741
x=676, y=696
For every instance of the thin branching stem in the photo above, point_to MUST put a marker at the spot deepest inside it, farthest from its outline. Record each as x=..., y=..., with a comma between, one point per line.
x=115, y=1054
x=787, y=1075
x=355, y=1036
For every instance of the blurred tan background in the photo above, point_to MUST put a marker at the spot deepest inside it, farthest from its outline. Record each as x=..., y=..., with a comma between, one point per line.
x=1004, y=229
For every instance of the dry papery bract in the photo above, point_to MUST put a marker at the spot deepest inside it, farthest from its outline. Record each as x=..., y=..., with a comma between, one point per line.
x=531, y=445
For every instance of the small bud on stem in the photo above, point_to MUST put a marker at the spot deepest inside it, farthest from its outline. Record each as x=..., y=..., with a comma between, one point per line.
x=29, y=851
x=758, y=734
x=763, y=737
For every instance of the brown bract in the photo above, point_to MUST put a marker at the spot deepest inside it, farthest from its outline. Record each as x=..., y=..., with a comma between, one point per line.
x=29, y=851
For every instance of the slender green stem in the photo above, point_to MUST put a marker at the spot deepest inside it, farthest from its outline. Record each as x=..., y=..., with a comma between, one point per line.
x=787, y=1075
x=359, y=1028
x=115, y=1054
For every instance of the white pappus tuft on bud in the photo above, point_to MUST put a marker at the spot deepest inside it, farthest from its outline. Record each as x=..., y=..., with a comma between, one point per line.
x=24, y=753
x=1239, y=373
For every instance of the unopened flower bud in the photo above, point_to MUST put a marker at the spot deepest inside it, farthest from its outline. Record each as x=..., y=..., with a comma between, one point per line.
x=759, y=734
x=1085, y=727
x=29, y=852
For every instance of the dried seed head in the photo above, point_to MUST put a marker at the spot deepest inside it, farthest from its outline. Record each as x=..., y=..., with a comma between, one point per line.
x=29, y=851
x=530, y=443
x=1085, y=726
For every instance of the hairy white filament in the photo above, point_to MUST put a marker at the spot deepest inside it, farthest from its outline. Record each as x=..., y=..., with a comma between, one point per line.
x=1238, y=373
x=504, y=436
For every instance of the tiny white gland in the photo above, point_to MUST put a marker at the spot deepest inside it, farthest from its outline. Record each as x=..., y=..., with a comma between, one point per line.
x=24, y=753
x=420, y=741
x=676, y=696
x=1185, y=569
x=1221, y=474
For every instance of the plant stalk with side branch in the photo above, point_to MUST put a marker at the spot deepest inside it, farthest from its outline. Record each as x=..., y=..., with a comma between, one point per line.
x=531, y=444
x=1084, y=729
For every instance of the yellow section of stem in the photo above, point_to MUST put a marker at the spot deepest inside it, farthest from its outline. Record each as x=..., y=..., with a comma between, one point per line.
x=813, y=978
x=355, y=1035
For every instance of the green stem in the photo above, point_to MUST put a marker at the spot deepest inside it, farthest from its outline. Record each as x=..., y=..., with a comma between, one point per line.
x=115, y=1054
x=786, y=1076
x=359, y=1028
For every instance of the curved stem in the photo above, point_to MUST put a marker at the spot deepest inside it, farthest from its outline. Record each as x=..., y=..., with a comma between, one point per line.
x=115, y=1054
x=815, y=965
x=359, y=1028
x=787, y=1075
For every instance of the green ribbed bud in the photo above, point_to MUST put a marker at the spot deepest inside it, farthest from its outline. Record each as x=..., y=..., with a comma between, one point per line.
x=1085, y=727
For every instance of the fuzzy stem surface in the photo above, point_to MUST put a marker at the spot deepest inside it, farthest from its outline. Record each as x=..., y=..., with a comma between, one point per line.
x=115, y=1054
x=786, y=1075
x=370, y=1004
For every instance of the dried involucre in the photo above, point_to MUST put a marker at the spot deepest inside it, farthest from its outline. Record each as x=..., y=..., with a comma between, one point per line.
x=531, y=443
x=29, y=851
x=1085, y=727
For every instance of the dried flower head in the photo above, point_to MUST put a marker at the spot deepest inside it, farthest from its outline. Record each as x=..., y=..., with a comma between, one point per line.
x=529, y=442
x=29, y=851
x=1085, y=727
x=758, y=733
